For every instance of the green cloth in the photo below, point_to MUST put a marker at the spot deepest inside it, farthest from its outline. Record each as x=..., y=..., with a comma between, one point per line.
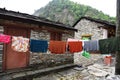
x=113, y=46
x=86, y=54
x=109, y=45
x=118, y=43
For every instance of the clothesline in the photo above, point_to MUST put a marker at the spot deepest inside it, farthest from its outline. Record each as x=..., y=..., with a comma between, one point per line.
x=21, y=44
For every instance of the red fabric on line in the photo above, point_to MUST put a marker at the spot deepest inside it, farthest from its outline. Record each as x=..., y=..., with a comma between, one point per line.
x=57, y=47
x=75, y=46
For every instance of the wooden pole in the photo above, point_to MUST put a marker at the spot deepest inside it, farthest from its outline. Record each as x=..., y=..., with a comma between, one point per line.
x=117, y=65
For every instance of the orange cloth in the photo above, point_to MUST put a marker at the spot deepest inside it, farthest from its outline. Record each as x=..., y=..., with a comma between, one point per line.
x=57, y=47
x=75, y=46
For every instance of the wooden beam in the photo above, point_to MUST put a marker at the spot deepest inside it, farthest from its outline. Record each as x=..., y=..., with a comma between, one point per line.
x=10, y=23
x=117, y=65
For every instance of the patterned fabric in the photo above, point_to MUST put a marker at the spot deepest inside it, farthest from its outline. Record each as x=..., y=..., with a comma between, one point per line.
x=20, y=44
x=5, y=38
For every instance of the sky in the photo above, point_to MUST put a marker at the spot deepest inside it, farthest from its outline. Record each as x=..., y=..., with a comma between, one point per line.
x=29, y=6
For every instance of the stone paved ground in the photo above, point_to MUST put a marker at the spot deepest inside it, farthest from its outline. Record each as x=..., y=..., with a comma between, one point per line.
x=91, y=69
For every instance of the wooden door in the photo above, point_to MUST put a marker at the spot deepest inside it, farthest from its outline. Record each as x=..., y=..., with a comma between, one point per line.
x=14, y=59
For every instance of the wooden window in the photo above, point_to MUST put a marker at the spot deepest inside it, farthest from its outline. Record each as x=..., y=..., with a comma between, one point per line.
x=56, y=36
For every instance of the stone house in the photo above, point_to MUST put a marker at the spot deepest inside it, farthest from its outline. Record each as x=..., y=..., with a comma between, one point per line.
x=32, y=27
x=94, y=29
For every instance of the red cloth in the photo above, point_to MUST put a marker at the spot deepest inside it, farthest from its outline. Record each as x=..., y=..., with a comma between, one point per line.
x=75, y=46
x=57, y=47
x=5, y=38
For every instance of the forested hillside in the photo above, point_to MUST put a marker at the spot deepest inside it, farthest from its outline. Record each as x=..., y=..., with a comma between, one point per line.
x=68, y=12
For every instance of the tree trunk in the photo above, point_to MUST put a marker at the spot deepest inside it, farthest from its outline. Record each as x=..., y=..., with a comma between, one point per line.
x=117, y=65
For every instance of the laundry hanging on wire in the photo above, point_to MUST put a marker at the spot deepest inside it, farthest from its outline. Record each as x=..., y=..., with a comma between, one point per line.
x=20, y=44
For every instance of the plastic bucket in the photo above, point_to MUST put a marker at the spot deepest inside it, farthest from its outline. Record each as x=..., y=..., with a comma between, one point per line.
x=107, y=60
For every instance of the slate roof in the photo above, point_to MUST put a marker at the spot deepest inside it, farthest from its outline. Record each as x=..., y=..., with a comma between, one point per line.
x=23, y=17
x=96, y=20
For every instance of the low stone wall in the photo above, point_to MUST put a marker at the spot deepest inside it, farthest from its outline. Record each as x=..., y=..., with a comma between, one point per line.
x=48, y=60
x=81, y=60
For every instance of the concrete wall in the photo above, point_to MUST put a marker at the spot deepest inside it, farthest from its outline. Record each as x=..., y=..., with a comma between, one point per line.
x=88, y=27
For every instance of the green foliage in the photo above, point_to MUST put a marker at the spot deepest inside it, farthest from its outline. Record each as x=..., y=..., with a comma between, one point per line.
x=68, y=12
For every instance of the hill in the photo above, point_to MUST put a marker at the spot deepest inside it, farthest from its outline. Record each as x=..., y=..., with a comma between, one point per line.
x=68, y=12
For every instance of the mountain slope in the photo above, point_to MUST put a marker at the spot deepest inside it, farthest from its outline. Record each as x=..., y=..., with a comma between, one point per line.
x=68, y=12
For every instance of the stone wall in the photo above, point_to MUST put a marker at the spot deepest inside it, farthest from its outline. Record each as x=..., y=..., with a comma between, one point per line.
x=45, y=35
x=65, y=36
x=48, y=58
x=89, y=27
x=81, y=60
x=40, y=35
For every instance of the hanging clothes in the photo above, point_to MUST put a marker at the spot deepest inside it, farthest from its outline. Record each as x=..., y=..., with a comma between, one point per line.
x=86, y=46
x=118, y=43
x=113, y=45
x=72, y=40
x=94, y=45
x=20, y=44
x=57, y=47
x=75, y=46
x=5, y=38
x=109, y=45
x=104, y=44
x=38, y=45
x=86, y=54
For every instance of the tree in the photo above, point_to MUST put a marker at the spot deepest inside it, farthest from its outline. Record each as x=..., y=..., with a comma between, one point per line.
x=117, y=65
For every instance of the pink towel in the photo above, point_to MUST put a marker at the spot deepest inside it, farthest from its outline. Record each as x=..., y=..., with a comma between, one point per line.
x=5, y=38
